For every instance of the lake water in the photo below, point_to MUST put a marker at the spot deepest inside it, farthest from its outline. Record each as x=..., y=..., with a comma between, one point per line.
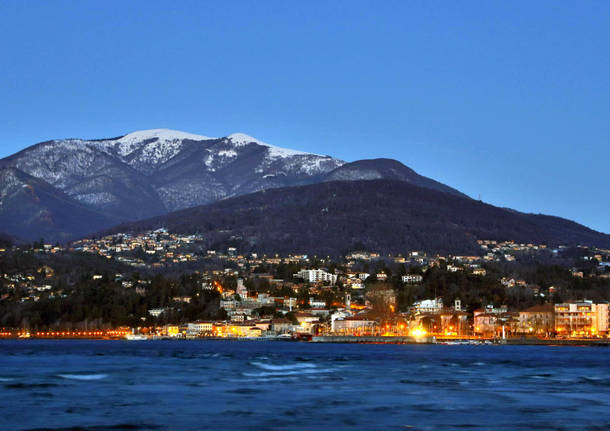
x=241, y=385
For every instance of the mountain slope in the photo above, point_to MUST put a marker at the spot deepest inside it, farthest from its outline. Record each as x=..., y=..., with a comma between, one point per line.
x=91, y=173
x=377, y=215
x=387, y=169
x=155, y=171
x=32, y=209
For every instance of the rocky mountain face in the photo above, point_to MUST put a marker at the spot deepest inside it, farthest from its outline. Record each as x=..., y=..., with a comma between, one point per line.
x=387, y=216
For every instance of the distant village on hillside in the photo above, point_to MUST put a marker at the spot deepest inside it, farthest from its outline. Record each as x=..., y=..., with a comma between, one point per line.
x=509, y=290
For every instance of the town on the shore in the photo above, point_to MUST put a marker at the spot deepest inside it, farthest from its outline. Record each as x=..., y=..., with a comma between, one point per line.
x=509, y=291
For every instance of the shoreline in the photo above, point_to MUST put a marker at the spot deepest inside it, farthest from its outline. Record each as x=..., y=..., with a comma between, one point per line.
x=346, y=339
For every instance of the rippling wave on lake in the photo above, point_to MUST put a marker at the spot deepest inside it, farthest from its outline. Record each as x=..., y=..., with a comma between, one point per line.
x=242, y=385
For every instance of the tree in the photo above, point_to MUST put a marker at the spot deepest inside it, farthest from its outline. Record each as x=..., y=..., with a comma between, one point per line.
x=383, y=301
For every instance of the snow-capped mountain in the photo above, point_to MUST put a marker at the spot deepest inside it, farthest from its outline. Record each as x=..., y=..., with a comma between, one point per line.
x=155, y=171
x=66, y=188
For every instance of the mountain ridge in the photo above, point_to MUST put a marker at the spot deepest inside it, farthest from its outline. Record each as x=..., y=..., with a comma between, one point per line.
x=152, y=172
x=80, y=186
x=386, y=216
x=130, y=177
x=389, y=169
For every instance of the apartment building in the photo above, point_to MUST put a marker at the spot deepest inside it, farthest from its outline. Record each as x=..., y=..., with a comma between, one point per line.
x=583, y=318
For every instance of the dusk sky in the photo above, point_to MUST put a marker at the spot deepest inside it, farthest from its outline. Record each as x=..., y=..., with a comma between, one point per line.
x=509, y=101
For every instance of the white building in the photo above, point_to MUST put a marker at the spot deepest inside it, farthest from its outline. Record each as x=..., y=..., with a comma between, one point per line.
x=156, y=312
x=412, y=278
x=199, y=327
x=241, y=290
x=316, y=275
x=429, y=305
x=337, y=315
x=313, y=303
x=453, y=268
x=581, y=318
x=355, y=324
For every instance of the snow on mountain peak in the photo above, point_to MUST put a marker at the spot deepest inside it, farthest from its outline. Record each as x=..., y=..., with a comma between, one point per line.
x=165, y=144
x=131, y=141
x=161, y=134
x=241, y=139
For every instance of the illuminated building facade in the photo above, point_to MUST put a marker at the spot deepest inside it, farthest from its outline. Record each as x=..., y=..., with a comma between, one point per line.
x=581, y=319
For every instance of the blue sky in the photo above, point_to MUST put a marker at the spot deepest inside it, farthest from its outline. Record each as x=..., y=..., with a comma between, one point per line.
x=509, y=101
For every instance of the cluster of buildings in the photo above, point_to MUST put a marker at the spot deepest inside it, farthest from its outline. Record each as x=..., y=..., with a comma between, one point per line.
x=374, y=312
x=152, y=249
x=571, y=320
x=34, y=283
x=378, y=316
x=574, y=319
x=160, y=249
